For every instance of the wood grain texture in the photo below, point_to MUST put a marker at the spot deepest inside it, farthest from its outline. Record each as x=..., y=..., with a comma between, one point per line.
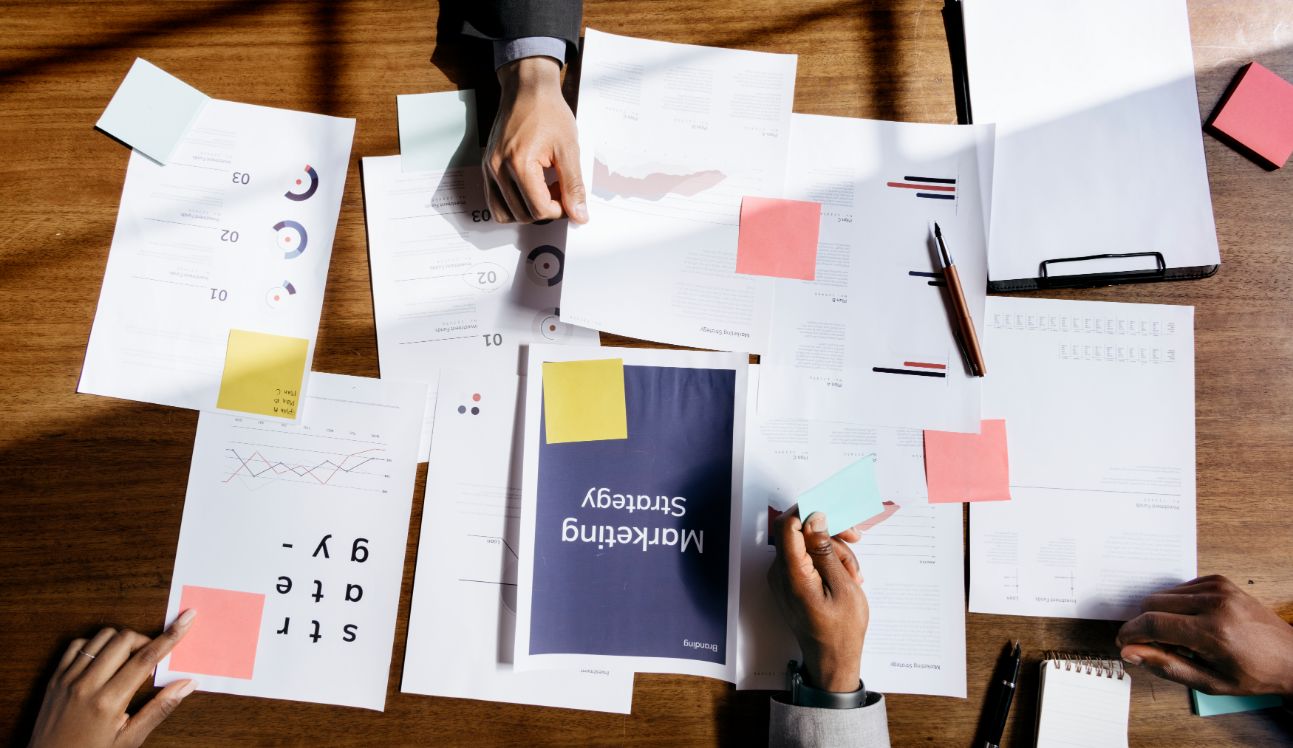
x=91, y=488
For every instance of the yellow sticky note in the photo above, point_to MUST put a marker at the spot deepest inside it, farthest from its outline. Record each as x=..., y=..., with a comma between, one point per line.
x=583, y=401
x=262, y=373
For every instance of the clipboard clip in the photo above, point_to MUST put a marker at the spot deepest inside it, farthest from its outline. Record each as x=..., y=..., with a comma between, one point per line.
x=1047, y=280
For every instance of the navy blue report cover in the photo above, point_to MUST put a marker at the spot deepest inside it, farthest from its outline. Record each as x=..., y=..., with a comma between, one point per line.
x=631, y=535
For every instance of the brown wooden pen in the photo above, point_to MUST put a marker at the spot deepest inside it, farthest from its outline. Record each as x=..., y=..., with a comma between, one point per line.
x=968, y=339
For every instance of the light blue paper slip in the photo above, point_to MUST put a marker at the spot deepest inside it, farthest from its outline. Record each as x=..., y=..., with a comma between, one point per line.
x=848, y=497
x=152, y=110
x=1211, y=706
x=438, y=130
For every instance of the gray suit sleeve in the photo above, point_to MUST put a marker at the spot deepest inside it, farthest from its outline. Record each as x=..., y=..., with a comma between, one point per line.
x=500, y=20
x=864, y=727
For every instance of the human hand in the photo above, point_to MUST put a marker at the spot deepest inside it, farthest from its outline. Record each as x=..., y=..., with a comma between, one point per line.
x=534, y=129
x=816, y=583
x=85, y=702
x=1237, y=646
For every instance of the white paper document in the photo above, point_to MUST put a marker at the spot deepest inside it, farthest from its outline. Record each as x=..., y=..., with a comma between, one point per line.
x=872, y=336
x=452, y=287
x=1099, y=149
x=671, y=137
x=628, y=556
x=910, y=556
x=234, y=233
x=292, y=546
x=1098, y=400
x=463, y=618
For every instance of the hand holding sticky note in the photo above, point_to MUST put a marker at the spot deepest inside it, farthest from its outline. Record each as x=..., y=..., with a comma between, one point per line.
x=263, y=374
x=968, y=467
x=583, y=401
x=846, y=498
x=778, y=238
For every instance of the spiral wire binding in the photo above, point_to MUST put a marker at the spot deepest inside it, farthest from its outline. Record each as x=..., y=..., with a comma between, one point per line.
x=1091, y=664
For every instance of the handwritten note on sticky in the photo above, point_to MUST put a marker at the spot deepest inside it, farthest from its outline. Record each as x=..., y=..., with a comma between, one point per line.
x=968, y=467
x=778, y=238
x=262, y=373
x=583, y=401
x=152, y=110
x=846, y=498
x=222, y=638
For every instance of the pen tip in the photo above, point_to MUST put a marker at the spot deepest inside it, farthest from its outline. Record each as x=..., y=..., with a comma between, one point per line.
x=937, y=231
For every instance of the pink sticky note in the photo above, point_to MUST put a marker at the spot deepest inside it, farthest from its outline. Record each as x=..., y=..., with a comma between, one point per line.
x=778, y=238
x=223, y=637
x=968, y=467
x=1256, y=114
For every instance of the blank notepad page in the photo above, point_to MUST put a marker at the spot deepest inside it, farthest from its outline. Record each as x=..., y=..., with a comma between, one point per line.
x=1082, y=707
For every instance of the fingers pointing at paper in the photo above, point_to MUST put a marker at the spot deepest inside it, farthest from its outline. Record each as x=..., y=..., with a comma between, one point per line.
x=820, y=597
x=1235, y=644
x=534, y=130
x=86, y=700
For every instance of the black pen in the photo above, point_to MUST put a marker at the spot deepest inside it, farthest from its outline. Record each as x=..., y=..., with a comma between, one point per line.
x=1001, y=693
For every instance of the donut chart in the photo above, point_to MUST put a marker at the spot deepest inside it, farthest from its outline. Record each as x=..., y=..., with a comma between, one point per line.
x=309, y=191
x=548, y=324
x=291, y=238
x=277, y=296
x=545, y=265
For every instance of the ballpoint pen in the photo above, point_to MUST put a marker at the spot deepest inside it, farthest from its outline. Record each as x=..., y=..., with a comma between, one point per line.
x=1001, y=693
x=969, y=340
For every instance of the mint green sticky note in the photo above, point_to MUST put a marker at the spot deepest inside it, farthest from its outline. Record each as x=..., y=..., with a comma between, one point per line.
x=152, y=110
x=1210, y=706
x=438, y=130
x=846, y=498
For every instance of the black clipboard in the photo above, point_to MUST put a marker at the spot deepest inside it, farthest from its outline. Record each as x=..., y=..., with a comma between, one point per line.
x=954, y=26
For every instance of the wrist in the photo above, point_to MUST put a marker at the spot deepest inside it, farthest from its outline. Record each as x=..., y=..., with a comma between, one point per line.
x=530, y=74
x=832, y=673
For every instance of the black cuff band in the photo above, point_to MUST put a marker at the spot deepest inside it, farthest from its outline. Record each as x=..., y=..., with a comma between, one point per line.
x=802, y=694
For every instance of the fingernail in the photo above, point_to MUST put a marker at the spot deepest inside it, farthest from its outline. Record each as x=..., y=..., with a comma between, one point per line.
x=186, y=617
x=186, y=689
x=581, y=212
x=1132, y=659
x=817, y=522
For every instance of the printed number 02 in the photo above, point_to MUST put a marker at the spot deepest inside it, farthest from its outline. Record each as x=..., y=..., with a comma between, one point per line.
x=486, y=277
x=493, y=339
x=480, y=216
x=228, y=235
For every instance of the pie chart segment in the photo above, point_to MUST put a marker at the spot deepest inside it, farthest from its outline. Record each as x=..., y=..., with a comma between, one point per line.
x=305, y=187
x=291, y=238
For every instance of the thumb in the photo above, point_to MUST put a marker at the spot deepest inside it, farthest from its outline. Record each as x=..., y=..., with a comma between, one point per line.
x=1173, y=667
x=573, y=197
x=155, y=712
x=817, y=541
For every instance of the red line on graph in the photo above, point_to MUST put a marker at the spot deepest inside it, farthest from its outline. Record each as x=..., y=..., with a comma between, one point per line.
x=923, y=365
x=932, y=187
x=316, y=472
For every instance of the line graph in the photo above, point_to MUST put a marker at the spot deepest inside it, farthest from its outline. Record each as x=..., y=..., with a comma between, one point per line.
x=256, y=465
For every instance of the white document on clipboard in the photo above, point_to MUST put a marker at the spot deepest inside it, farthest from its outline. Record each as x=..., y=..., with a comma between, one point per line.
x=1098, y=167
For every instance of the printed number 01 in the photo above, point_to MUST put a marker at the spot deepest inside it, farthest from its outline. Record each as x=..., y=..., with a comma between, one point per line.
x=493, y=339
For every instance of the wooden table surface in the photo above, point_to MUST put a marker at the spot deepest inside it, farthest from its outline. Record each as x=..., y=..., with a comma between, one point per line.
x=91, y=488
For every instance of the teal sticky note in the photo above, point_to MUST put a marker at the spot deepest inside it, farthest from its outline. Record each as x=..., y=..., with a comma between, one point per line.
x=152, y=110
x=1210, y=706
x=846, y=498
x=438, y=130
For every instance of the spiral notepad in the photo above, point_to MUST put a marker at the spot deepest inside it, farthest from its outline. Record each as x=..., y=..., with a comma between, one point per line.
x=1084, y=701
